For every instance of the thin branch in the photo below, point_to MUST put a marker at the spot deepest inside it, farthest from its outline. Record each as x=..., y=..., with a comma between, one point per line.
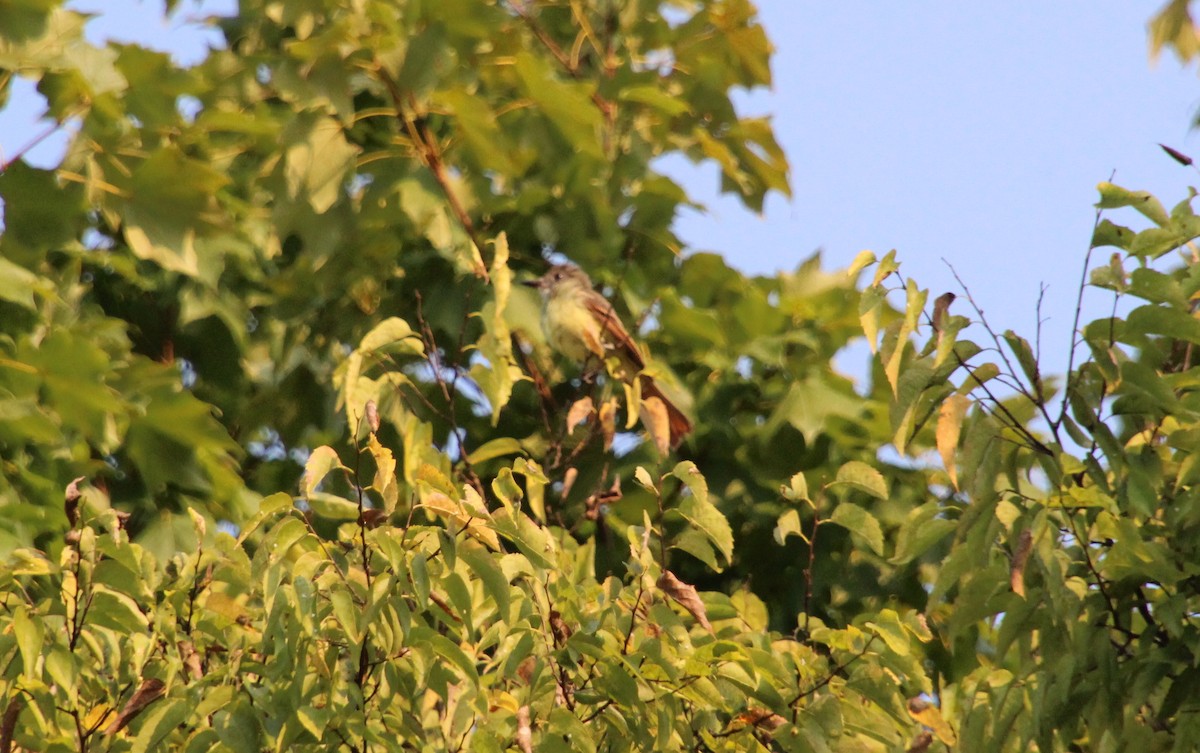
x=449, y=392
x=52, y=129
x=431, y=156
x=1087, y=263
x=1035, y=396
x=607, y=109
x=808, y=571
x=828, y=678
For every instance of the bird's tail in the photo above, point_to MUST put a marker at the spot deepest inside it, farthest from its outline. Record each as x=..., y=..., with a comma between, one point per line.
x=678, y=424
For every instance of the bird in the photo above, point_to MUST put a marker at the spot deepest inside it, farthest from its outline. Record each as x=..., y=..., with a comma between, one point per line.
x=581, y=324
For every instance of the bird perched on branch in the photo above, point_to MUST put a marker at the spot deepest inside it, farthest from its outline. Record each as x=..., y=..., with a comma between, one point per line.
x=581, y=324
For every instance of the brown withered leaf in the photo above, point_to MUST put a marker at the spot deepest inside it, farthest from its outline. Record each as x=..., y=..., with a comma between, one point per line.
x=372, y=517
x=921, y=742
x=524, y=730
x=1020, y=558
x=580, y=411
x=372, y=416
x=191, y=659
x=608, y=422
x=940, y=308
x=561, y=630
x=657, y=422
x=147, y=693
x=568, y=481
x=525, y=669
x=71, y=501
x=764, y=719
x=685, y=595
x=8, y=722
x=1177, y=155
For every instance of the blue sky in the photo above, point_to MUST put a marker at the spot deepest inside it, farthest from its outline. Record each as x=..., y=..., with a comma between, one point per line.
x=973, y=132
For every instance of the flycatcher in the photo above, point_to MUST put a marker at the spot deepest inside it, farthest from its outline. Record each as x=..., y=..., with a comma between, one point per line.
x=581, y=324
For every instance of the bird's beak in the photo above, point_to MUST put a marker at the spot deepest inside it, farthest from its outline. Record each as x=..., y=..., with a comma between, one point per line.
x=534, y=283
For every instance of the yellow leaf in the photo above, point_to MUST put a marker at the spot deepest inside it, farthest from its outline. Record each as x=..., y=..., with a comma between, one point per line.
x=385, y=473
x=657, y=423
x=467, y=515
x=929, y=715
x=949, y=426
x=914, y=305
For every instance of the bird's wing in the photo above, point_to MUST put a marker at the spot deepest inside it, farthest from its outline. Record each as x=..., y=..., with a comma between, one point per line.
x=618, y=339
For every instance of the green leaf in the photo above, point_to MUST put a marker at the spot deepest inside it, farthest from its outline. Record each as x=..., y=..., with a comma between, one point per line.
x=489, y=573
x=392, y=335
x=920, y=532
x=446, y=649
x=567, y=105
x=158, y=721
x=320, y=462
x=1113, y=197
x=861, y=523
x=657, y=98
x=315, y=720
x=480, y=131
x=30, y=633
x=687, y=472
x=318, y=161
x=702, y=514
x=427, y=58
x=788, y=525
x=811, y=402
x=1110, y=234
x=797, y=488
x=862, y=477
x=332, y=507
x=1025, y=357
x=1169, y=322
x=117, y=611
x=40, y=210
x=495, y=448
x=887, y=626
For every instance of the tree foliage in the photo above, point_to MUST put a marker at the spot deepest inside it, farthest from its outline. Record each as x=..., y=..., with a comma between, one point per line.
x=286, y=463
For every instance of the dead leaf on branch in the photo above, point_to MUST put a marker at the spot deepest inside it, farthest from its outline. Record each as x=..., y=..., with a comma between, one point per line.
x=71, y=501
x=657, y=422
x=580, y=411
x=561, y=630
x=685, y=595
x=147, y=693
x=608, y=422
x=764, y=719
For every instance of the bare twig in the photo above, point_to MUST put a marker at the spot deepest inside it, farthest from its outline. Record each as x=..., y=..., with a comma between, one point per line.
x=1087, y=263
x=808, y=571
x=1035, y=396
